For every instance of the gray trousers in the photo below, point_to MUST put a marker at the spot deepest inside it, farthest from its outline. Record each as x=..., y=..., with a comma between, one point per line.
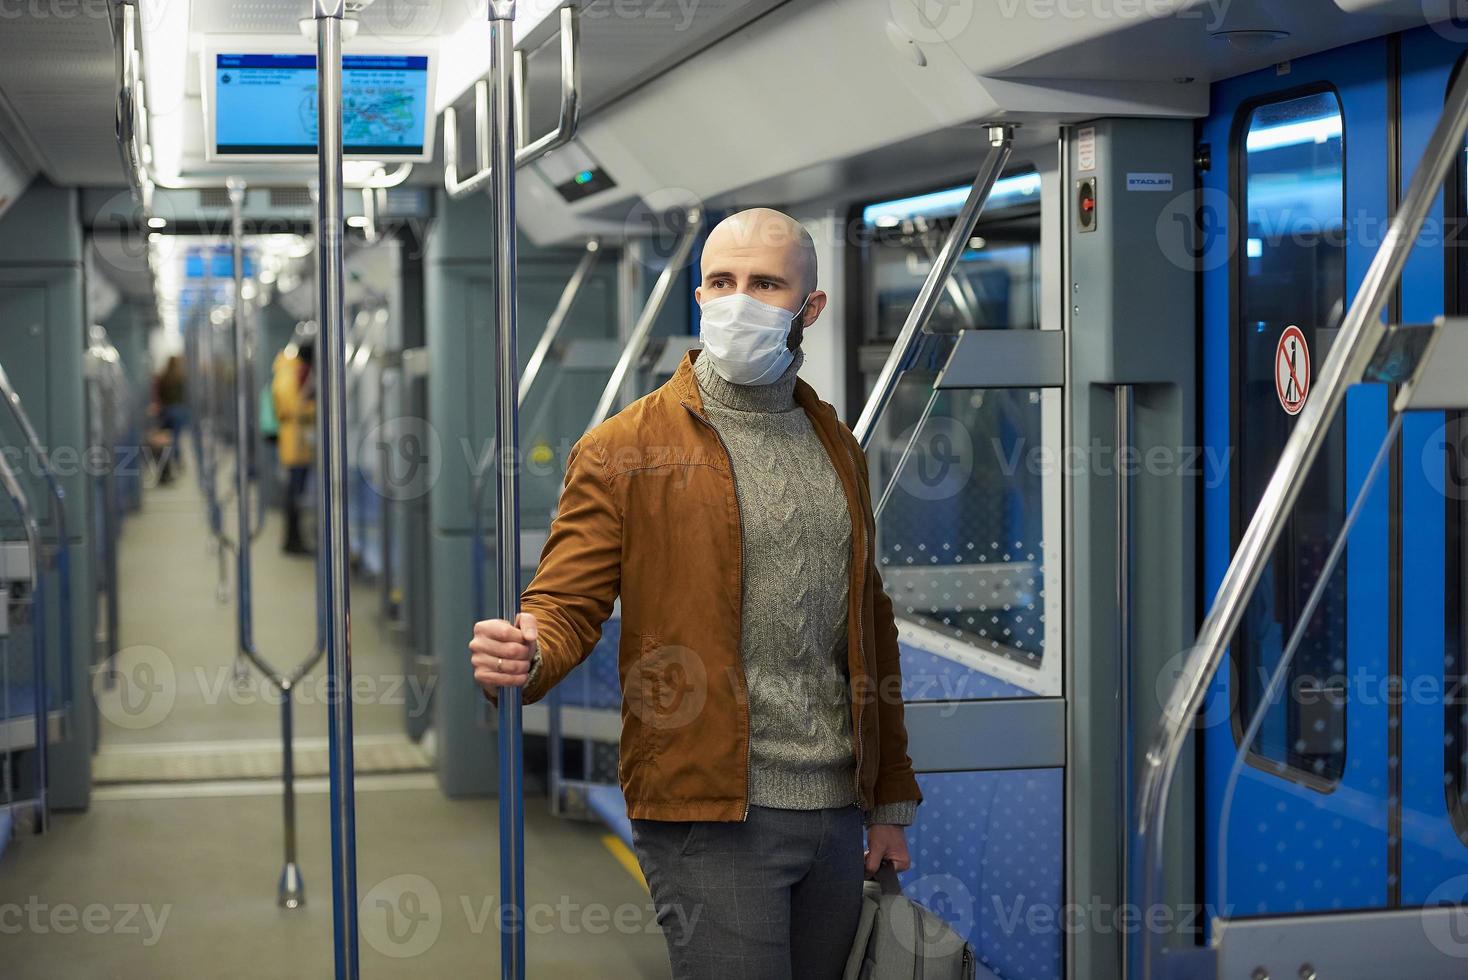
x=774, y=897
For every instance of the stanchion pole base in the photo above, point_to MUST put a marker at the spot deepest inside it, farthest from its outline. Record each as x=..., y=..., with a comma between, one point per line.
x=292, y=887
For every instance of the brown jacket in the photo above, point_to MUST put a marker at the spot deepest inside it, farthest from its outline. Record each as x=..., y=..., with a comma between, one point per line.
x=649, y=512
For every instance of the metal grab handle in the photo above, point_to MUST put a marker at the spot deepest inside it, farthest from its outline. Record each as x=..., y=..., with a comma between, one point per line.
x=332, y=580
x=656, y=300
x=131, y=136
x=1356, y=342
x=1001, y=141
x=62, y=557
x=570, y=111
x=22, y=503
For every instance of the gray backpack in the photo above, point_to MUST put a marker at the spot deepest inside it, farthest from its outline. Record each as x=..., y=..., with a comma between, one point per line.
x=898, y=939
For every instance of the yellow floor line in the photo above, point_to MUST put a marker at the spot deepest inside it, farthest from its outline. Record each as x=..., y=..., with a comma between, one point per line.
x=624, y=857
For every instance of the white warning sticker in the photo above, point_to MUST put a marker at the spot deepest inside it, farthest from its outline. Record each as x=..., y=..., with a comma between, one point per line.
x=1086, y=148
x=1292, y=370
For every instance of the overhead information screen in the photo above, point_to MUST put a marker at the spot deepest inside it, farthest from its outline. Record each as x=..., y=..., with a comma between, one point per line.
x=265, y=106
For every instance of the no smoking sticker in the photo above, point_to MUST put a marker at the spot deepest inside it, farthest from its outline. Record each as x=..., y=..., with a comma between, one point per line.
x=1292, y=370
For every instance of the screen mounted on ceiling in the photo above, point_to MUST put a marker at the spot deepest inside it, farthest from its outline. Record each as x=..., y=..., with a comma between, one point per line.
x=264, y=106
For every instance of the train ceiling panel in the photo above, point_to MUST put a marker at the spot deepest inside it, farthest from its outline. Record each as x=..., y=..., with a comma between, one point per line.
x=782, y=105
x=1206, y=40
x=57, y=82
x=622, y=51
x=397, y=20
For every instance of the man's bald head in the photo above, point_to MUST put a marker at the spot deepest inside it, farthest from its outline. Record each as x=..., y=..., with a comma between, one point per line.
x=767, y=255
x=775, y=234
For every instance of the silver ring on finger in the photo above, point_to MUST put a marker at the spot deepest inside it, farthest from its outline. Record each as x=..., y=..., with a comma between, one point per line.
x=499, y=665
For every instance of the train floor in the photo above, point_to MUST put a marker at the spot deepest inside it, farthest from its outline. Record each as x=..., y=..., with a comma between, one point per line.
x=172, y=871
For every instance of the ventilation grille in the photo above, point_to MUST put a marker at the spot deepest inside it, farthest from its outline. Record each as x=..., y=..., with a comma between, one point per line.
x=290, y=197
x=213, y=197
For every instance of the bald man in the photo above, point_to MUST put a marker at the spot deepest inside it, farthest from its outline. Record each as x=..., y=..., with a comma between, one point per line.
x=762, y=725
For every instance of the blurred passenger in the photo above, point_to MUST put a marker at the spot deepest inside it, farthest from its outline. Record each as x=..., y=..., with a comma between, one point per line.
x=172, y=415
x=292, y=391
x=763, y=719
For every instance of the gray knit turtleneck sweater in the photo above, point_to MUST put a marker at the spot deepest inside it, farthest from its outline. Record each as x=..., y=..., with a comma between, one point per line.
x=797, y=562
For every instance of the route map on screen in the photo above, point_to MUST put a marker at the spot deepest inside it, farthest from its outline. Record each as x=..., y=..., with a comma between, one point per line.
x=265, y=104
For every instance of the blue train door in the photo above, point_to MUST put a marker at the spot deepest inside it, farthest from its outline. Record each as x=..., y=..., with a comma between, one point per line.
x=1344, y=798
x=1433, y=503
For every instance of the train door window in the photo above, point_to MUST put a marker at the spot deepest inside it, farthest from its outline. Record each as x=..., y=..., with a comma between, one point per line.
x=1455, y=670
x=1290, y=184
x=1455, y=485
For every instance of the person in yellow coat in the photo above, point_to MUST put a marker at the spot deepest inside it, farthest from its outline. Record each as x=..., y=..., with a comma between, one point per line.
x=293, y=390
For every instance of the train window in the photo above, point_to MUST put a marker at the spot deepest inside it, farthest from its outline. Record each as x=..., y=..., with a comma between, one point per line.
x=996, y=284
x=1290, y=282
x=967, y=538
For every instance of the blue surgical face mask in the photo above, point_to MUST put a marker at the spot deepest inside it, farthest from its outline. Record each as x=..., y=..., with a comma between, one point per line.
x=747, y=341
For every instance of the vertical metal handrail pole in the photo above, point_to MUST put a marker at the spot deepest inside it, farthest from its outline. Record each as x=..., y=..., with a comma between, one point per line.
x=112, y=510
x=62, y=562
x=244, y=619
x=1125, y=410
x=507, y=433
x=333, y=441
x=1356, y=341
x=656, y=300
x=39, y=678
x=1001, y=141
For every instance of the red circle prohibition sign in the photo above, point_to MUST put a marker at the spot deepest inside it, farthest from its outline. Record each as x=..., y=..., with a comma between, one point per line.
x=1292, y=370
